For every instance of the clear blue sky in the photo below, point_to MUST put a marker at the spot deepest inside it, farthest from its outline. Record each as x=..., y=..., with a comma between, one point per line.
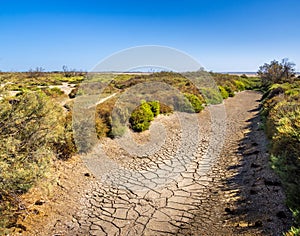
x=223, y=35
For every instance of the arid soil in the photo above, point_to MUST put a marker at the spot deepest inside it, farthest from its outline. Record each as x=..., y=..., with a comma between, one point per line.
x=187, y=179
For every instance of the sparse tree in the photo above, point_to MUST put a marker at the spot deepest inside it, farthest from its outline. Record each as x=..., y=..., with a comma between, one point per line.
x=69, y=72
x=277, y=72
x=66, y=71
x=35, y=73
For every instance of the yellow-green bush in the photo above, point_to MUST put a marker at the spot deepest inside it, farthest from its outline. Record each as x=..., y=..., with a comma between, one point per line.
x=223, y=92
x=235, y=83
x=32, y=132
x=281, y=111
x=239, y=85
x=53, y=92
x=155, y=107
x=251, y=83
x=195, y=101
x=211, y=95
x=229, y=90
x=141, y=117
x=64, y=145
x=293, y=232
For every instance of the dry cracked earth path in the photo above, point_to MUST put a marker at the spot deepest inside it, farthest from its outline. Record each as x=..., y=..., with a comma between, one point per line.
x=202, y=174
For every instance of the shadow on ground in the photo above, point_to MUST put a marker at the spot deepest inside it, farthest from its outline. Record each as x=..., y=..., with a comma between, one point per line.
x=258, y=200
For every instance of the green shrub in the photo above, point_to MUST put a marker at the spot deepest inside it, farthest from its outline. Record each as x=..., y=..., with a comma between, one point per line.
x=211, y=95
x=251, y=83
x=196, y=103
x=281, y=111
x=119, y=121
x=234, y=83
x=33, y=130
x=64, y=144
x=118, y=129
x=286, y=117
x=155, y=107
x=182, y=104
x=53, y=92
x=293, y=92
x=141, y=117
x=230, y=91
x=106, y=125
x=25, y=124
x=239, y=85
x=293, y=232
x=223, y=92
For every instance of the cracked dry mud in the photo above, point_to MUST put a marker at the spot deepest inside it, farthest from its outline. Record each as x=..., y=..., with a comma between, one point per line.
x=202, y=180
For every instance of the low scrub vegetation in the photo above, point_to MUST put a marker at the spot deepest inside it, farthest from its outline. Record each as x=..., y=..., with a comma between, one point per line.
x=281, y=112
x=34, y=131
x=197, y=102
x=189, y=99
x=25, y=80
x=235, y=83
x=282, y=116
x=36, y=128
x=224, y=92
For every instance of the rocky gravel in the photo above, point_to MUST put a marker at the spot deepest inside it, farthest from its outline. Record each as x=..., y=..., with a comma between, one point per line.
x=191, y=174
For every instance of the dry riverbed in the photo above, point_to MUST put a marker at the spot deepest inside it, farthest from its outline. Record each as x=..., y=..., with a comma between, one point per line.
x=190, y=185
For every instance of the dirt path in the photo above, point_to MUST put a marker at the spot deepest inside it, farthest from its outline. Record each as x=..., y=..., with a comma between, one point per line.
x=183, y=187
x=245, y=196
